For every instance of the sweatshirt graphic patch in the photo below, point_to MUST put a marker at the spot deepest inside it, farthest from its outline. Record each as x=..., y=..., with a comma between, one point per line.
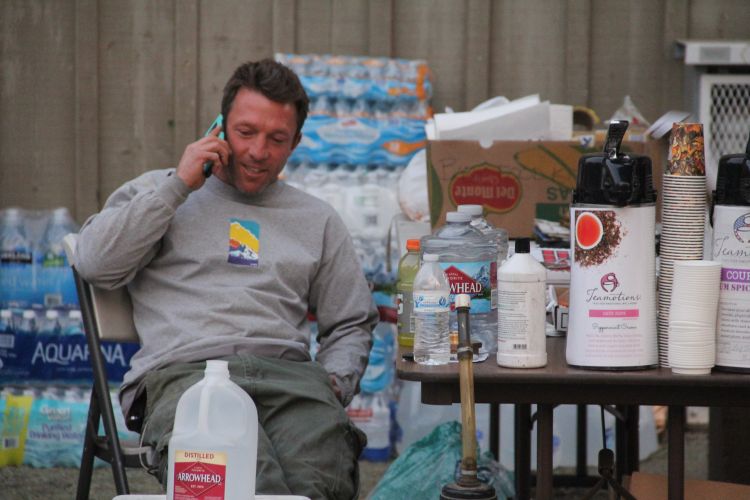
x=244, y=242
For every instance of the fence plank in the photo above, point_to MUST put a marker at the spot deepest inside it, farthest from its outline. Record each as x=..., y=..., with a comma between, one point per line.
x=37, y=136
x=223, y=46
x=348, y=25
x=478, y=52
x=86, y=166
x=314, y=28
x=284, y=26
x=577, y=52
x=440, y=38
x=380, y=28
x=185, y=122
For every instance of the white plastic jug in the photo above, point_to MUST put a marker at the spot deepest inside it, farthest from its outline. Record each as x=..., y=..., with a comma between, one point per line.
x=214, y=444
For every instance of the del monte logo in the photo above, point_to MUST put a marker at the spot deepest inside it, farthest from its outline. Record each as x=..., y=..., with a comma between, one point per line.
x=486, y=185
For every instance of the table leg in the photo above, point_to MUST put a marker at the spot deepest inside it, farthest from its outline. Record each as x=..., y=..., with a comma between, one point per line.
x=676, y=452
x=495, y=430
x=632, y=445
x=522, y=458
x=581, y=442
x=544, y=414
x=621, y=452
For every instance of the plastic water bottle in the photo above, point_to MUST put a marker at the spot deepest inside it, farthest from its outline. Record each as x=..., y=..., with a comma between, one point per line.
x=56, y=286
x=73, y=324
x=479, y=222
x=28, y=324
x=432, y=314
x=50, y=325
x=374, y=419
x=408, y=267
x=214, y=441
x=469, y=259
x=6, y=322
x=16, y=261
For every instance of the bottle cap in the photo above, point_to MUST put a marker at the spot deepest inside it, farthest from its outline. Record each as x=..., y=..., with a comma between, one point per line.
x=457, y=217
x=29, y=314
x=472, y=210
x=523, y=245
x=5, y=313
x=430, y=257
x=412, y=244
x=463, y=300
x=75, y=314
x=52, y=314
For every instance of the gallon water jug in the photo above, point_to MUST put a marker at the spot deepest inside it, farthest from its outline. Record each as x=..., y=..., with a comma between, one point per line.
x=214, y=444
x=612, y=322
x=731, y=247
x=469, y=260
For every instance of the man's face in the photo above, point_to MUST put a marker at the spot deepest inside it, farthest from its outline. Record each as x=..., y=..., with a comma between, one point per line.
x=262, y=134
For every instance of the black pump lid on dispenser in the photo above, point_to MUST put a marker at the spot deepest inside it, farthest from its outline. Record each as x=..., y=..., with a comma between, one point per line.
x=613, y=178
x=733, y=179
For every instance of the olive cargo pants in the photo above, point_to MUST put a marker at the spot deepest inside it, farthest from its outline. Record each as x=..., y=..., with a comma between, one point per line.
x=306, y=443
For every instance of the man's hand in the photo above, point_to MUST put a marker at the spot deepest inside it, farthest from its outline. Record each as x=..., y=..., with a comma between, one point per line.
x=208, y=148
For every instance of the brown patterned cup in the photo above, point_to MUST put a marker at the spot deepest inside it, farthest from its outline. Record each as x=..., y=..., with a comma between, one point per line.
x=686, y=155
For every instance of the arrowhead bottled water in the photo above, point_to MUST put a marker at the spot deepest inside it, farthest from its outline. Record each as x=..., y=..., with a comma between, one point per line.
x=469, y=260
x=432, y=313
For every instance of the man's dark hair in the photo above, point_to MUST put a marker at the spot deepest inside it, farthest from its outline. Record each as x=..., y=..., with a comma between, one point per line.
x=272, y=79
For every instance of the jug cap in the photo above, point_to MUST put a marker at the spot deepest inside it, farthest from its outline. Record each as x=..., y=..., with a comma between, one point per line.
x=472, y=210
x=457, y=217
x=733, y=179
x=613, y=177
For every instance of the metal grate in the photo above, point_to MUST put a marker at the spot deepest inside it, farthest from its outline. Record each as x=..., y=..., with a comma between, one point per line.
x=725, y=114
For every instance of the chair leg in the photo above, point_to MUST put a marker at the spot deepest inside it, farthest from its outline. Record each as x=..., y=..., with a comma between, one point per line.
x=113, y=440
x=89, y=448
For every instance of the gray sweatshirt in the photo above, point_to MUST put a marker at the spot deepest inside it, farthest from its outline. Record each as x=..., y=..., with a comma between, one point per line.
x=215, y=272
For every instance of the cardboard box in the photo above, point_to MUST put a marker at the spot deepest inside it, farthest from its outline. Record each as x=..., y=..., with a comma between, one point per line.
x=654, y=487
x=516, y=181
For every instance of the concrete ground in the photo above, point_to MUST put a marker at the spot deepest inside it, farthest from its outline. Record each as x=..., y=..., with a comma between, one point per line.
x=26, y=483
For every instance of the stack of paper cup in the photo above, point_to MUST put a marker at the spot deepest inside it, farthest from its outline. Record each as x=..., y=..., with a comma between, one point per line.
x=692, y=316
x=683, y=217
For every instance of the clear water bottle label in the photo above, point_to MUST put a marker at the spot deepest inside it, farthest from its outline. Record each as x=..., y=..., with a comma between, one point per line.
x=431, y=302
x=476, y=279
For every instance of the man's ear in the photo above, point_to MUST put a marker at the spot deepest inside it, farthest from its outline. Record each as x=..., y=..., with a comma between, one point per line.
x=295, y=143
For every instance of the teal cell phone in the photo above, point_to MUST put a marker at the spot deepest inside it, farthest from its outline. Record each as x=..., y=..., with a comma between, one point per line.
x=218, y=122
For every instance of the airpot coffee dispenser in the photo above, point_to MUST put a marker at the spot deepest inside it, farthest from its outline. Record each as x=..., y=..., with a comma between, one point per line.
x=731, y=247
x=612, y=322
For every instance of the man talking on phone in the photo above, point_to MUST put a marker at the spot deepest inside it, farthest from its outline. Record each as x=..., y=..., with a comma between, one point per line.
x=227, y=266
